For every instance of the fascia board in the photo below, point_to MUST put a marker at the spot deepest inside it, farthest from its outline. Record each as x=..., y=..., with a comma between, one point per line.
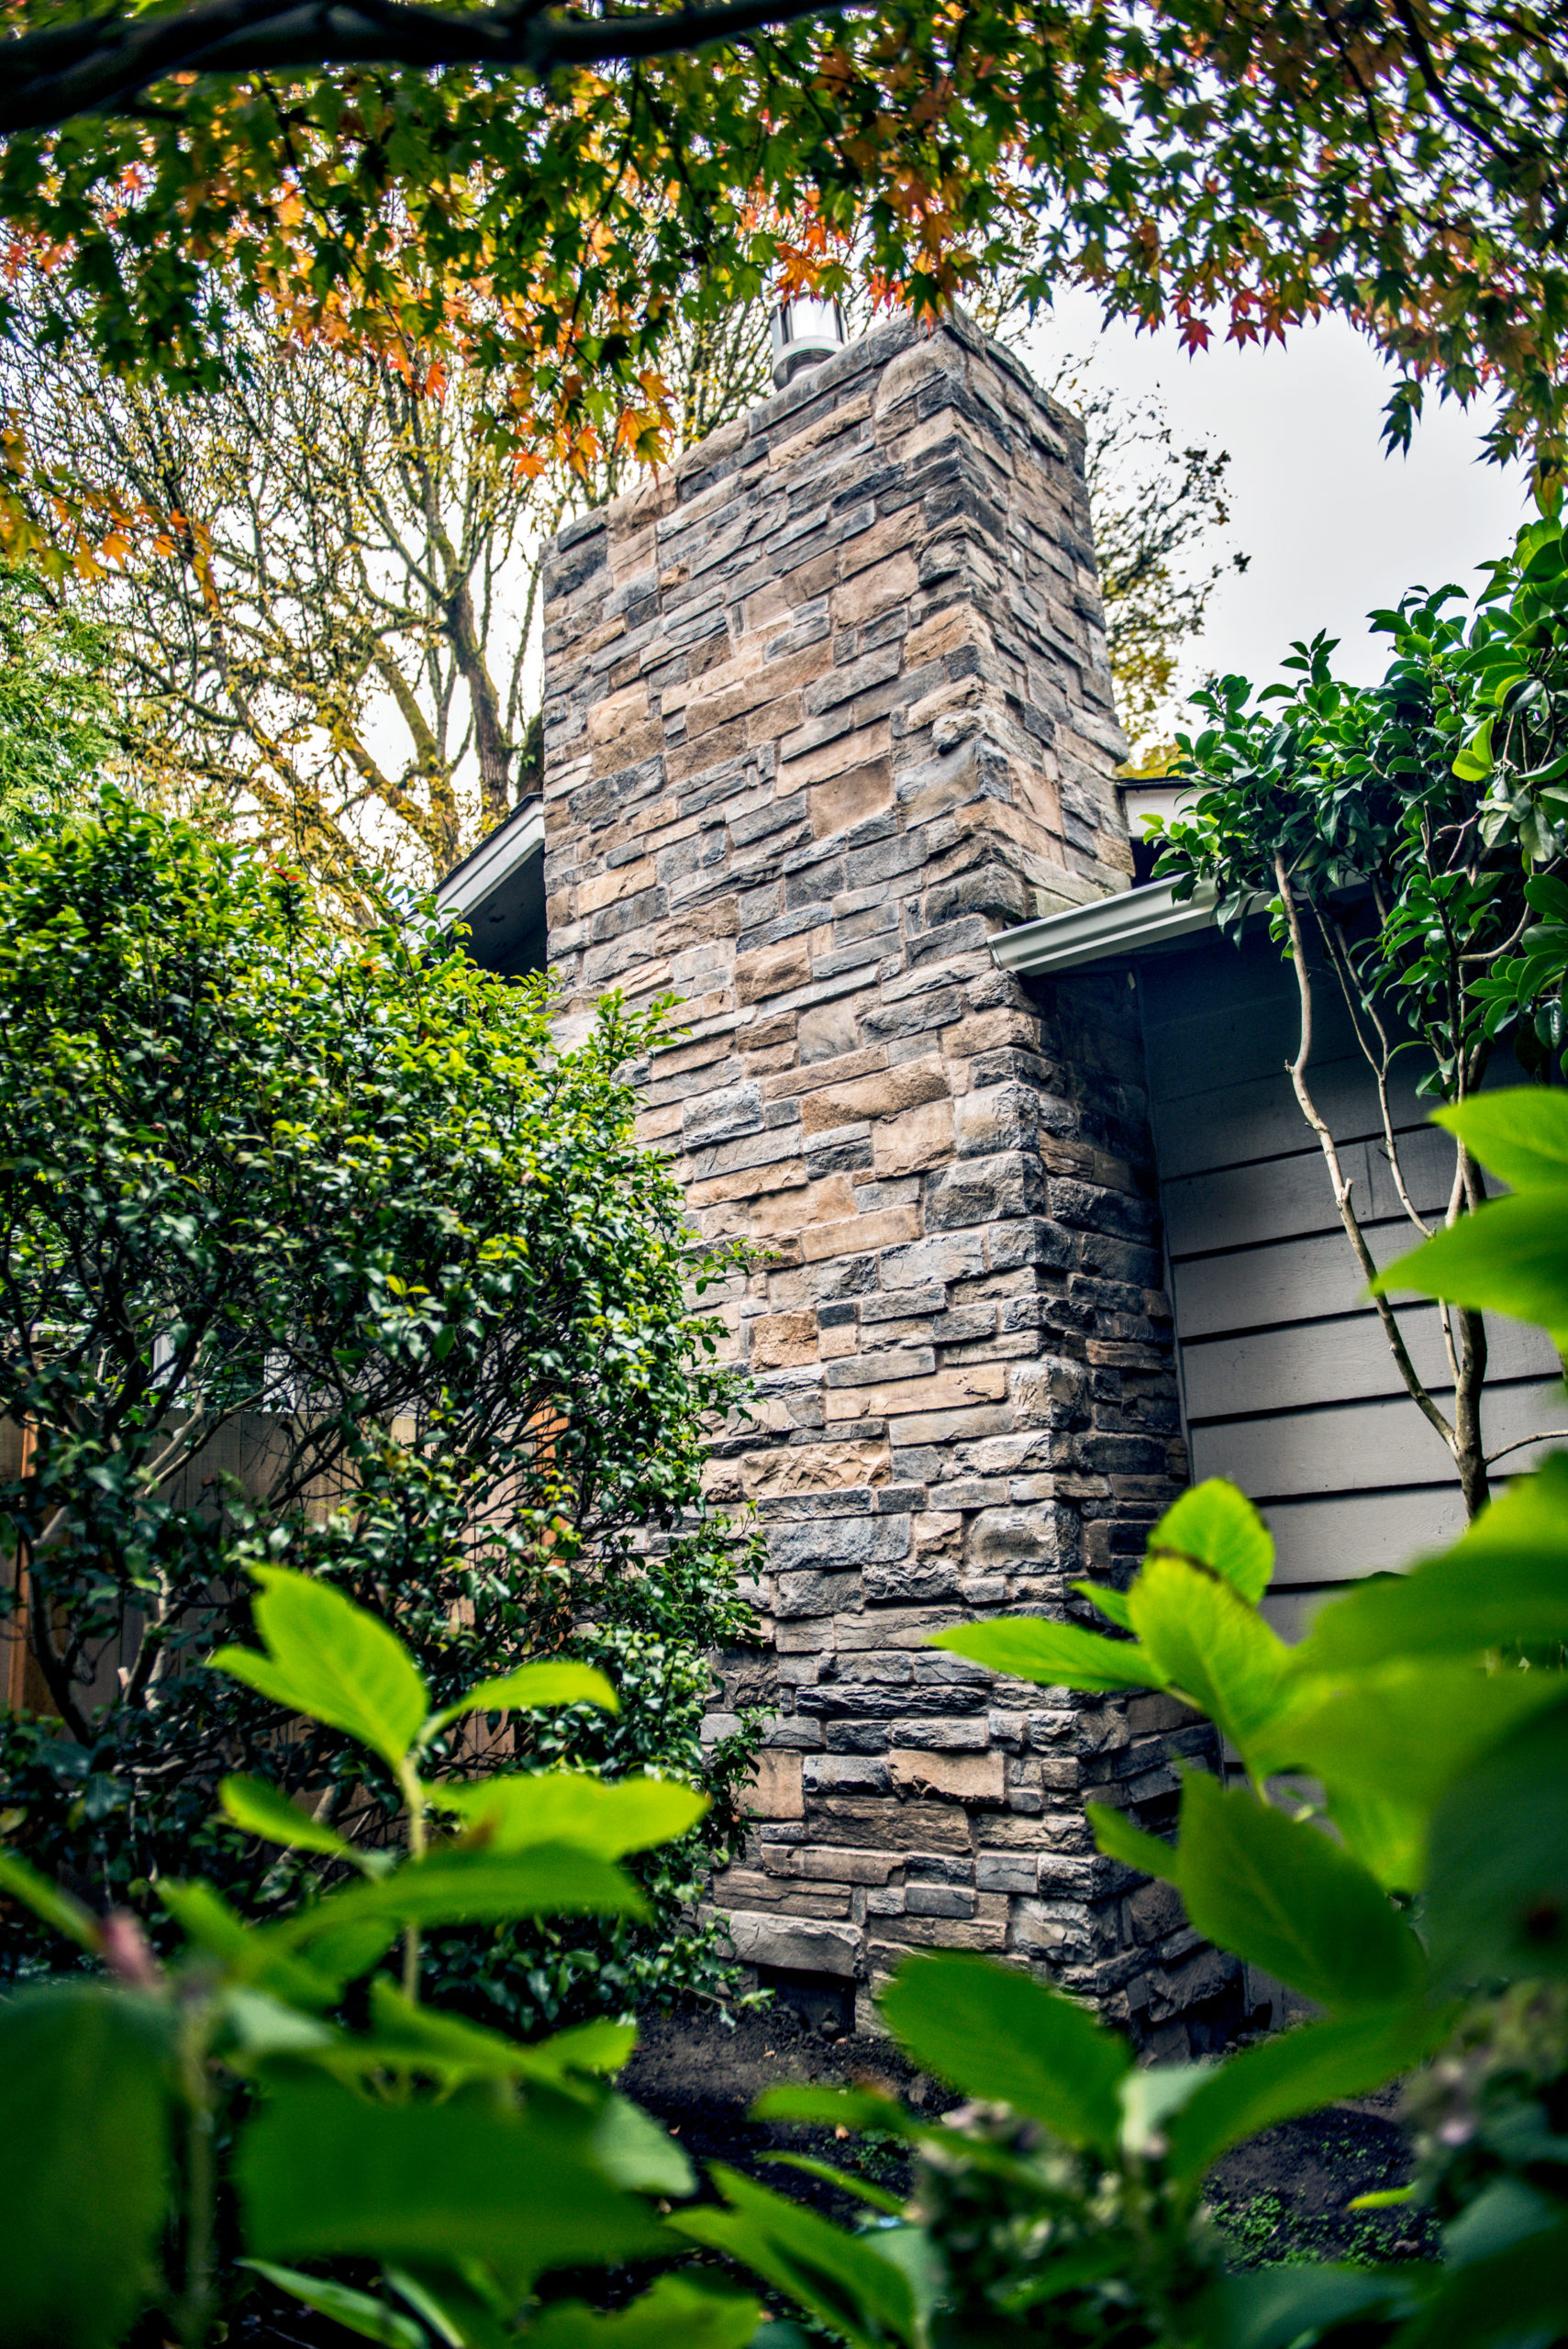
x=1127, y=923
x=500, y=855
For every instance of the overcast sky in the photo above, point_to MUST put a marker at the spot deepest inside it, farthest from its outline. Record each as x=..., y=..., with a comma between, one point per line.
x=1332, y=525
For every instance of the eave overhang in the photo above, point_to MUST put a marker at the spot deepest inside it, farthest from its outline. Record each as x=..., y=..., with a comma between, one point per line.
x=1108, y=929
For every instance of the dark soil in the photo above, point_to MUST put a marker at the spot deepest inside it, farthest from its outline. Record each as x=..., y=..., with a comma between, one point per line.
x=1284, y=2196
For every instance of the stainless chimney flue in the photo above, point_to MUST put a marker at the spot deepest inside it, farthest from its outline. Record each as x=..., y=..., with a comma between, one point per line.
x=806, y=332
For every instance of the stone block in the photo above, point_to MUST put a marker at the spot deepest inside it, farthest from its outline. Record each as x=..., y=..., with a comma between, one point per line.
x=776, y=1789
x=799, y=1944
x=958, y=1777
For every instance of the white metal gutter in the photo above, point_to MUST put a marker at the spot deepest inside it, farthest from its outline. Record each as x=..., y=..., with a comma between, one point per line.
x=1125, y=924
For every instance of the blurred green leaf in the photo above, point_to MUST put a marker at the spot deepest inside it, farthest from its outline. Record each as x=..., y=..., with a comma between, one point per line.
x=531, y=1685
x=1519, y=1132
x=837, y=2278
x=637, y=2151
x=1497, y=1872
x=610, y=1817
x=1120, y=1838
x=1519, y=2296
x=68, y=1916
x=680, y=2312
x=265, y=1809
x=1511, y=1256
x=1395, y=1739
x=1315, y=2065
x=994, y=2032
x=1217, y=1527
x=355, y=2311
x=833, y=2108
x=331, y=1660
x=250, y=1954
x=323, y=2173
x=1285, y=2308
x=452, y=1888
x=1062, y=1656
x=87, y=2087
x=1505, y=1581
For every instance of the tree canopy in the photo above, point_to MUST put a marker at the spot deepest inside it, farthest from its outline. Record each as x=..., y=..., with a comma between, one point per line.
x=552, y=191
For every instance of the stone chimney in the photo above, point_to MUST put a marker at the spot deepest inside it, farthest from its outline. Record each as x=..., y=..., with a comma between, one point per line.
x=827, y=705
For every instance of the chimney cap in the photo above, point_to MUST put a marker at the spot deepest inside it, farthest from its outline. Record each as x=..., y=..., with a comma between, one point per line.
x=807, y=330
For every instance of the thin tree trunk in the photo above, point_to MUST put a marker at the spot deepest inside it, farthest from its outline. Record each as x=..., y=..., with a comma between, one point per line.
x=1462, y=1437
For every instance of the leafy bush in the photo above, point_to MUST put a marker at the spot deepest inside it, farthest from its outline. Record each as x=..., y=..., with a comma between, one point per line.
x=1410, y=842
x=320, y=1253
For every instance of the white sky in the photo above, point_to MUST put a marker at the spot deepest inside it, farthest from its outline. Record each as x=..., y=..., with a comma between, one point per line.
x=1332, y=525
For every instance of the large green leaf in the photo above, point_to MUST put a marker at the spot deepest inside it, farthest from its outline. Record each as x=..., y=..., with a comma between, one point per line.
x=1394, y=1740
x=1216, y=1526
x=839, y=2278
x=410, y=2038
x=531, y=1685
x=1521, y=1132
x=1506, y=1581
x=85, y=2097
x=1062, y=1656
x=1497, y=1869
x=253, y=1953
x=691, y=2312
x=451, y=2044
x=994, y=2032
x=1509, y=1257
x=1210, y=1646
x=1121, y=1838
x=1279, y=1893
x=833, y=2108
x=1299, y=2072
x=265, y=1809
x=324, y=2173
x=460, y=1888
x=1280, y=2307
x=610, y=1817
x=333, y=1661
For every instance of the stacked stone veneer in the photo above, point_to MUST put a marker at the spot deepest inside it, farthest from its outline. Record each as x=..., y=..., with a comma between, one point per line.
x=826, y=706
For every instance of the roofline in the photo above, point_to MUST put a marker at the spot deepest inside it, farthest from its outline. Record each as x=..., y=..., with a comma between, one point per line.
x=1127, y=923
x=499, y=854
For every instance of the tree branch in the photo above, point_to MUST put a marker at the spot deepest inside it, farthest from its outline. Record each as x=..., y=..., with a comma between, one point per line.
x=100, y=66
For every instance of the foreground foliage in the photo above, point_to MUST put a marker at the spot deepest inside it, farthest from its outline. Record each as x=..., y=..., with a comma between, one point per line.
x=325, y=1256
x=467, y=2164
x=1395, y=1844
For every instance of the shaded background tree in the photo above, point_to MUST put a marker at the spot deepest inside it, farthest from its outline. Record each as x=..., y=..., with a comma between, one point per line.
x=324, y=605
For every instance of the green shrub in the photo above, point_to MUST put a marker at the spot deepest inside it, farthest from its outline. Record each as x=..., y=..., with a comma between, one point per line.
x=321, y=1253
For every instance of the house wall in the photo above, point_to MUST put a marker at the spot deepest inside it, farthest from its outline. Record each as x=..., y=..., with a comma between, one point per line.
x=826, y=706
x=1288, y=1384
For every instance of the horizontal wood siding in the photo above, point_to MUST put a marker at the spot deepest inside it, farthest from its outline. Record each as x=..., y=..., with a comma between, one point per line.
x=1288, y=1384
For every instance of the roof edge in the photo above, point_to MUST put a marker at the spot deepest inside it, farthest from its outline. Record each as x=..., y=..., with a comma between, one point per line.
x=497, y=858
x=1127, y=923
